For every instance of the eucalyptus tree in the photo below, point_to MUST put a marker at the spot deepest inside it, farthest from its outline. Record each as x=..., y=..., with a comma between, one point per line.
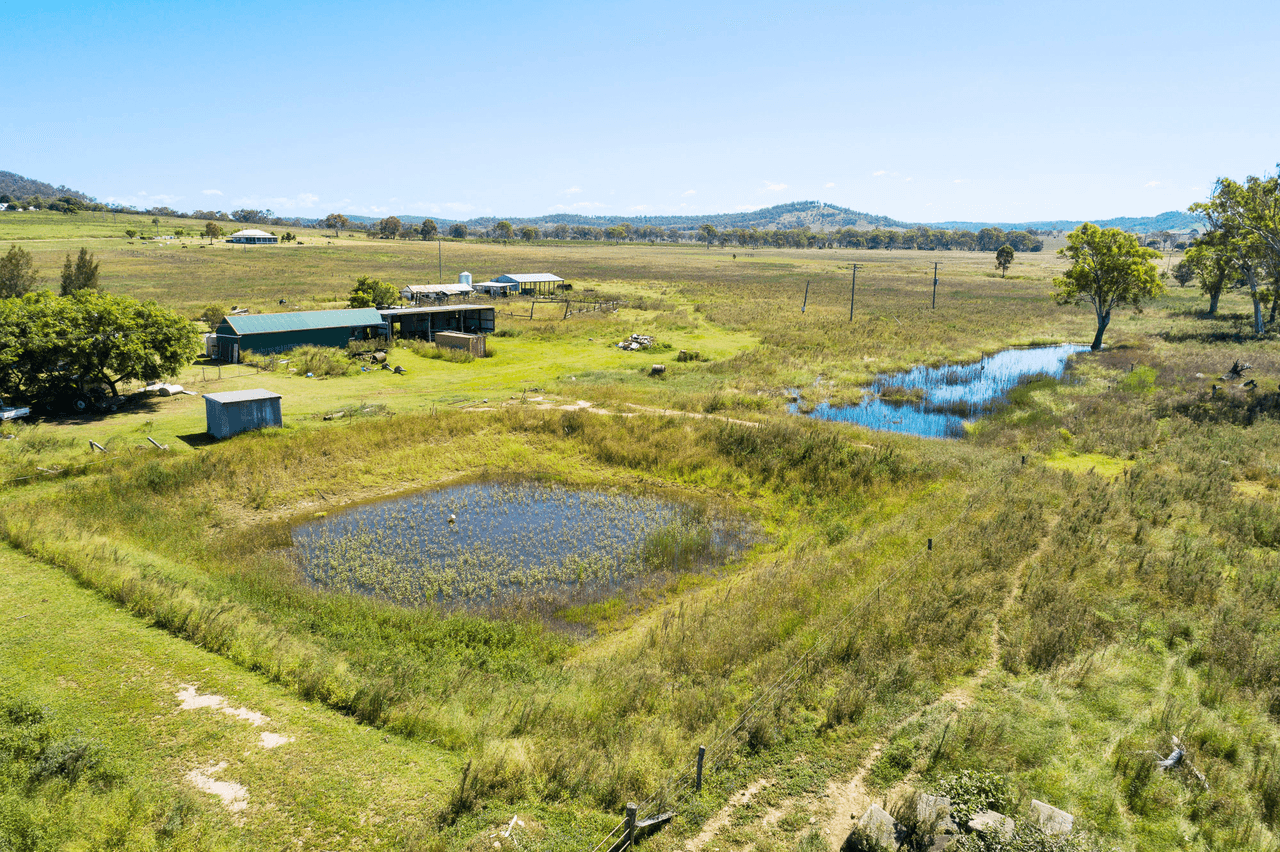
x=1247, y=215
x=1109, y=269
x=1004, y=258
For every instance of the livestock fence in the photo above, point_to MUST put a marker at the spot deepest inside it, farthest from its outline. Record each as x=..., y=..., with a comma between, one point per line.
x=572, y=307
x=686, y=781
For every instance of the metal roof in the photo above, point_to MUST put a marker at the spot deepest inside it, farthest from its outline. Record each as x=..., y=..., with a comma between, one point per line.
x=242, y=396
x=528, y=278
x=251, y=232
x=447, y=289
x=303, y=320
x=432, y=309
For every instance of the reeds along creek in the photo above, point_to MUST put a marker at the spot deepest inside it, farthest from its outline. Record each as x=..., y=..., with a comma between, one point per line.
x=500, y=543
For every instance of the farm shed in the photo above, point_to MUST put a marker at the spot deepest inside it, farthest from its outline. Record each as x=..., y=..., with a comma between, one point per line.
x=232, y=412
x=425, y=322
x=253, y=236
x=269, y=333
x=495, y=288
x=434, y=292
x=534, y=282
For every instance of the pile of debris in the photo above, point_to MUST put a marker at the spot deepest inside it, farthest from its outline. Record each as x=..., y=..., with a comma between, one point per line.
x=636, y=342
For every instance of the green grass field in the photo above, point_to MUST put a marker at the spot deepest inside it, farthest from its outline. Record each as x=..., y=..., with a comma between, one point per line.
x=1105, y=572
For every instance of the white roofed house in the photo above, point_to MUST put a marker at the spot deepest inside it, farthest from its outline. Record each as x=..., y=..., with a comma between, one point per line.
x=253, y=236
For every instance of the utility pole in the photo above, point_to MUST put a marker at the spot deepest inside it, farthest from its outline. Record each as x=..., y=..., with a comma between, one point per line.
x=440, y=260
x=935, y=284
x=853, y=287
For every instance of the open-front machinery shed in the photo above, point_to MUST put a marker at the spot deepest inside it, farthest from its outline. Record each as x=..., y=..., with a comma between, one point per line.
x=271, y=333
x=426, y=321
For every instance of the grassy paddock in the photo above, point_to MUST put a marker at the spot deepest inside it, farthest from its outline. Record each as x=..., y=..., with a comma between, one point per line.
x=1128, y=573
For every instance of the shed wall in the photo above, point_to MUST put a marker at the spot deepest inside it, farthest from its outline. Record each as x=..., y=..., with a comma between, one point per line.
x=222, y=420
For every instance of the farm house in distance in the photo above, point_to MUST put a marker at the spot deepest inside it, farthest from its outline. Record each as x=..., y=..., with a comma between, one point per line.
x=254, y=237
x=263, y=333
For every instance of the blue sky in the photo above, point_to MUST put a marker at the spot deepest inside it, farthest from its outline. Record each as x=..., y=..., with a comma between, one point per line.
x=917, y=110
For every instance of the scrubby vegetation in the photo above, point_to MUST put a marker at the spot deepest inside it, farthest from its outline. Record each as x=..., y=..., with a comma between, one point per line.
x=1104, y=573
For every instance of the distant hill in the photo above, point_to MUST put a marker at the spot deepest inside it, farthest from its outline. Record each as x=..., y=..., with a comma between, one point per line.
x=1174, y=220
x=20, y=187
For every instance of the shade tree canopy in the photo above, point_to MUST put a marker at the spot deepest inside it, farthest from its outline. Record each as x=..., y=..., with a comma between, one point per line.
x=1109, y=269
x=49, y=342
x=1244, y=221
x=371, y=292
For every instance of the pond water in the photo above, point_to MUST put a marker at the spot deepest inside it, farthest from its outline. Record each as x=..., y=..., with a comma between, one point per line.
x=509, y=542
x=935, y=402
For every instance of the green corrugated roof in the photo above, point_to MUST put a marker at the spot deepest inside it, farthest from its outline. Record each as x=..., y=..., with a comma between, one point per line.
x=304, y=320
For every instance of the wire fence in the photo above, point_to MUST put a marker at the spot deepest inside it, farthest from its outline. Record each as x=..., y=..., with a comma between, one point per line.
x=683, y=784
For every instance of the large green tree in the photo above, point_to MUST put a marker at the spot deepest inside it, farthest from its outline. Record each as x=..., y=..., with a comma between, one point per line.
x=428, y=230
x=1004, y=258
x=1246, y=218
x=1109, y=269
x=336, y=221
x=1213, y=260
x=458, y=231
x=49, y=343
x=503, y=230
x=709, y=233
x=388, y=228
x=17, y=273
x=81, y=275
x=370, y=292
x=212, y=230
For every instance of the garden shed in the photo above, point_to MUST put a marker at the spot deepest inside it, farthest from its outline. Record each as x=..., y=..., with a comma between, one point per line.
x=533, y=282
x=271, y=333
x=232, y=412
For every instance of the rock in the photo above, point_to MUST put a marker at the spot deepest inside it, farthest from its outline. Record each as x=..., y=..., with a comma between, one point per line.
x=933, y=815
x=882, y=828
x=991, y=822
x=942, y=843
x=1051, y=820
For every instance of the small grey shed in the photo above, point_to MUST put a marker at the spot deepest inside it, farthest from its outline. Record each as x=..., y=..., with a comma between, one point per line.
x=232, y=412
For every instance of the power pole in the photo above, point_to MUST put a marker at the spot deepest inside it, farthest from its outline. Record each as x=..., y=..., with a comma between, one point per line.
x=935, y=284
x=853, y=287
x=440, y=261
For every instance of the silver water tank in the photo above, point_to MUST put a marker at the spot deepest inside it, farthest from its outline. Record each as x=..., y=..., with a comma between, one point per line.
x=464, y=278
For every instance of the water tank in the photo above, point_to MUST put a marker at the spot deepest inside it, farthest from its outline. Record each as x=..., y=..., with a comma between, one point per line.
x=464, y=278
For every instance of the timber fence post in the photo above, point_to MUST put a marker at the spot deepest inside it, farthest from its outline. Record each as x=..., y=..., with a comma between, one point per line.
x=631, y=825
x=702, y=755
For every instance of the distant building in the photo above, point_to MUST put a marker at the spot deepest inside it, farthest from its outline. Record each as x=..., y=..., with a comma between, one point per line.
x=425, y=322
x=535, y=282
x=232, y=412
x=415, y=293
x=271, y=333
x=252, y=236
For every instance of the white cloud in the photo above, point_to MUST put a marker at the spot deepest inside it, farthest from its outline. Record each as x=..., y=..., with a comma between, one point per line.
x=908, y=180
x=774, y=187
x=639, y=208
x=960, y=180
x=879, y=173
x=1151, y=183
x=210, y=192
x=577, y=205
x=829, y=186
x=301, y=201
x=573, y=190
x=142, y=199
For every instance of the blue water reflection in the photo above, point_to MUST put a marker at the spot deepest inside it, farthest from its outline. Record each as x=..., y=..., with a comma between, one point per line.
x=952, y=394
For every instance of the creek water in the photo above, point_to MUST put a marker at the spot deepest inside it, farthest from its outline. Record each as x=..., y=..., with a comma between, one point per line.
x=936, y=402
